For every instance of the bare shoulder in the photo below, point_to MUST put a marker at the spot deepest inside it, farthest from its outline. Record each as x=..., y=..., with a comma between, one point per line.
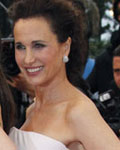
x=82, y=106
x=88, y=126
x=82, y=112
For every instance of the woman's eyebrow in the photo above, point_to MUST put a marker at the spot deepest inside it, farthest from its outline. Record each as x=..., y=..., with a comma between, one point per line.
x=41, y=41
x=17, y=43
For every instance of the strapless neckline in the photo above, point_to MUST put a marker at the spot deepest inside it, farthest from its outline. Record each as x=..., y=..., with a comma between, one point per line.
x=14, y=129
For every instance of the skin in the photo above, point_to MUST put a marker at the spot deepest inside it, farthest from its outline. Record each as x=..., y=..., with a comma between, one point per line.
x=116, y=70
x=6, y=143
x=75, y=118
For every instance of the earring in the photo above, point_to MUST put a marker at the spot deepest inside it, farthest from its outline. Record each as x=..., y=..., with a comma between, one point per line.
x=65, y=59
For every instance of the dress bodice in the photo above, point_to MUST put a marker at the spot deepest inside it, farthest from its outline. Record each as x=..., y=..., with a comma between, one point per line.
x=25, y=140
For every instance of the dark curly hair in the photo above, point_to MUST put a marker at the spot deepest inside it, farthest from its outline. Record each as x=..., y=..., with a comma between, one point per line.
x=65, y=20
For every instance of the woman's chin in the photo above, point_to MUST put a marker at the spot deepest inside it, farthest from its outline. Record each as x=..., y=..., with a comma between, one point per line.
x=35, y=82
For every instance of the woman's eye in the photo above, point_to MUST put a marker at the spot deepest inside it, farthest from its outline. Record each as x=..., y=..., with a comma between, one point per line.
x=20, y=47
x=39, y=45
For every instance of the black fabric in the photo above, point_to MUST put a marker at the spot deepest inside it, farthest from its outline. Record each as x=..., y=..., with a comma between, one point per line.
x=114, y=87
x=102, y=74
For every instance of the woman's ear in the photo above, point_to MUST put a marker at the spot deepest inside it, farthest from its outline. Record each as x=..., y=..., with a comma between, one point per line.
x=67, y=46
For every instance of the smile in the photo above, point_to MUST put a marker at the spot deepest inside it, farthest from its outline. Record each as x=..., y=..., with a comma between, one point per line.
x=32, y=70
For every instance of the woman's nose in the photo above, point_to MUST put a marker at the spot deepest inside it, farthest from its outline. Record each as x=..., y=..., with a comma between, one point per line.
x=29, y=57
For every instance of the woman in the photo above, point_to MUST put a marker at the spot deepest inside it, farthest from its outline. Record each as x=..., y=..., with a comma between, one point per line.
x=48, y=48
x=6, y=114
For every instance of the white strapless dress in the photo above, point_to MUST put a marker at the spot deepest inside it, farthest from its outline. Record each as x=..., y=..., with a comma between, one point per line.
x=25, y=140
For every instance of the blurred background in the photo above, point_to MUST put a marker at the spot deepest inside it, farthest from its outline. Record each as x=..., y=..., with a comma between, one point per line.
x=100, y=20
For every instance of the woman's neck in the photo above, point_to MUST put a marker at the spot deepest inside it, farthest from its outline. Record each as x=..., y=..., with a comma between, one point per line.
x=54, y=92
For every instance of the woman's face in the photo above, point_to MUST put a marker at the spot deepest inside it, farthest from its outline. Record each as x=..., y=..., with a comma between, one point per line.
x=38, y=53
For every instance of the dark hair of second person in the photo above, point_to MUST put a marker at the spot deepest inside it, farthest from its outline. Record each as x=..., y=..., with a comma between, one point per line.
x=6, y=103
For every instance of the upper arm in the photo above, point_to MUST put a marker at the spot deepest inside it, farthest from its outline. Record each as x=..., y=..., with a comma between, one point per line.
x=76, y=146
x=5, y=142
x=90, y=128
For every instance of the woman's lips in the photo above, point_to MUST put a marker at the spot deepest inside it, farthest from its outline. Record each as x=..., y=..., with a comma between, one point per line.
x=34, y=70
